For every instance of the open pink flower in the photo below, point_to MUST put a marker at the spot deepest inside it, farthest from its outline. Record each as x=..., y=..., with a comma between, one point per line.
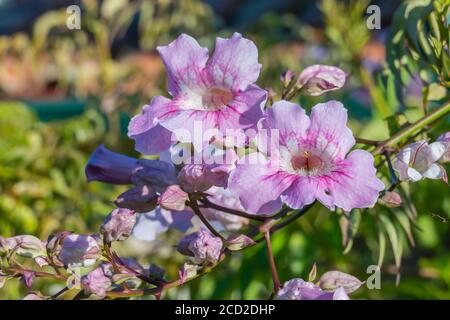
x=217, y=92
x=309, y=164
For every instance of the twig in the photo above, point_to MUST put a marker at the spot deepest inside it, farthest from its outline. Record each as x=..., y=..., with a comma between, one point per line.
x=273, y=267
x=194, y=206
x=394, y=178
x=411, y=129
x=209, y=204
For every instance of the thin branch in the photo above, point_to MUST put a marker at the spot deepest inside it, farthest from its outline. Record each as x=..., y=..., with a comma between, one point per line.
x=194, y=206
x=368, y=142
x=251, y=233
x=273, y=267
x=411, y=129
x=212, y=205
x=394, y=178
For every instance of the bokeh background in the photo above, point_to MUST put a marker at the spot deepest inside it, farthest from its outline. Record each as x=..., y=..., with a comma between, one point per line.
x=63, y=92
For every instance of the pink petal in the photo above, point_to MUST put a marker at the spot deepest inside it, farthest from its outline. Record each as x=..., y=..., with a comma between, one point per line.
x=299, y=194
x=244, y=111
x=193, y=126
x=173, y=198
x=329, y=131
x=150, y=137
x=234, y=63
x=355, y=184
x=289, y=118
x=256, y=183
x=184, y=60
x=305, y=190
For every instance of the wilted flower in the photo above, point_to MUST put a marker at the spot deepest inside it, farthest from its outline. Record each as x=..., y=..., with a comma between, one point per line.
x=173, y=198
x=74, y=250
x=445, y=139
x=26, y=245
x=149, y=225
x=201, y=245
x=418, y=160
x=298, y=289
x=118, y=225
x=216, y=91
x=95, y=282
x=318, y=79
x=309, y=164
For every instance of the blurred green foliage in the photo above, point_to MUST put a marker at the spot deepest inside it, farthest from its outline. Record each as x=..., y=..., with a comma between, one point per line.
x=42, y=183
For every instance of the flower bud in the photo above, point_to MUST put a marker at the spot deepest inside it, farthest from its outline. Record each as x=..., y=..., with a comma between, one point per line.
x=26, y=246
x=140, y=199
x=392, y=199
x=298, y=289
x=118, y=225
x=318, y=79
x=156, y=271
x=287, y=77
x=34, y=296
x=332, y=280
x=95, y=282
x=201, y=245
x=445, y=140
x=110, y=167
x=213, y=172
x=73, y=250
x=173, y=198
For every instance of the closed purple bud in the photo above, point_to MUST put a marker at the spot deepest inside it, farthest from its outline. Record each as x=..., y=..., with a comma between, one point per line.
x=318, y=79
x=28, y=277
x=139, y=199
x=79, y=250
x=95, y=282
x=118, y=225
x=110, y=167
x=156, y=174
x=201, y=245
x=173, y=198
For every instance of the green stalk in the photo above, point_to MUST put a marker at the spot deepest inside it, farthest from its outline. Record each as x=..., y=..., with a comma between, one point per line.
x=413, y=128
